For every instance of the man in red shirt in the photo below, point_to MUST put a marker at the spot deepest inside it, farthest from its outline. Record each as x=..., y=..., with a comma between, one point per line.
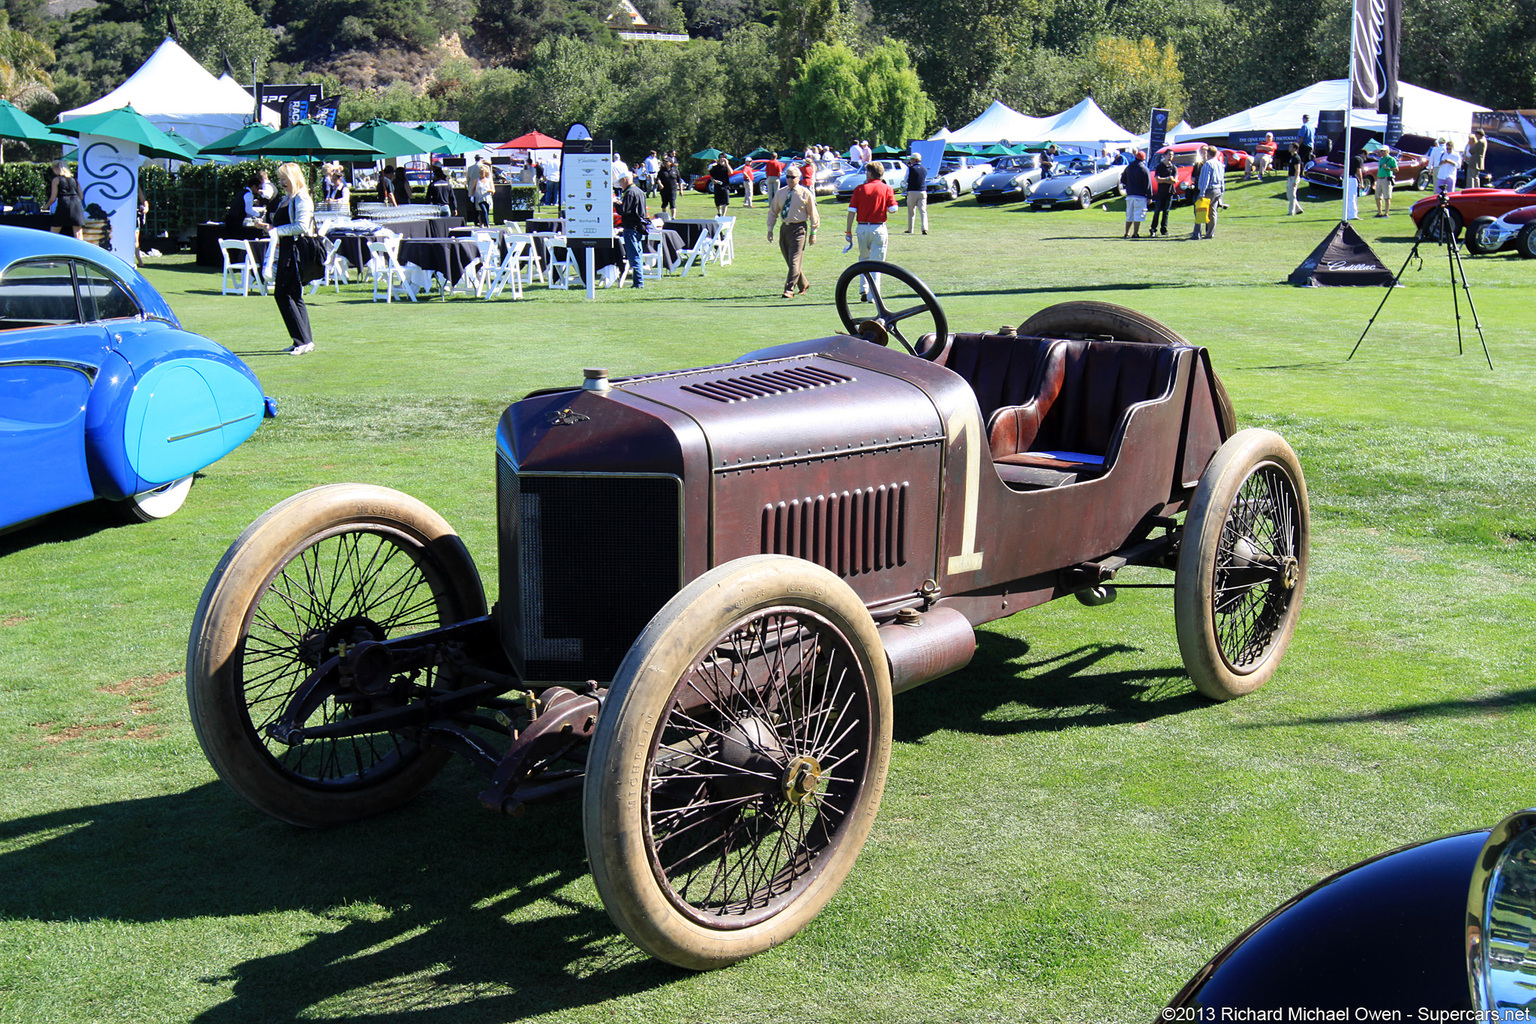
x=773, y=169
x=871, y=203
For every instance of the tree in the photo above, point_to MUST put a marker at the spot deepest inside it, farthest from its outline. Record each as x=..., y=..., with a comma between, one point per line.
x=838, y=95
x=1129, y=77
x=24, y=63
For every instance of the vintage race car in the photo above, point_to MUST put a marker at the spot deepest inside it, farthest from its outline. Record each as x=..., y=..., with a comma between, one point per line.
x=713, y=580
x=102, y=393
x=895, y=176
x=1470, y=204
x=1078, y=190
x=1010, y=180
x=1439, y=930
x=1515, y=230
x=956, y=176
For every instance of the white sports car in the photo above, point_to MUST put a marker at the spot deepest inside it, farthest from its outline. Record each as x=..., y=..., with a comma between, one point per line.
x=956, y=176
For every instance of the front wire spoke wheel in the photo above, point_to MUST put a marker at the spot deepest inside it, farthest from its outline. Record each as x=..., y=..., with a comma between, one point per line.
x=1242, y=565
x=317, y=573
x=739, y=761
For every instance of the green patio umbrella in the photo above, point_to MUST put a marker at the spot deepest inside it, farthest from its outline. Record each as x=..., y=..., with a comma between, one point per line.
x=126, y=124
x=307, y=140
x=234, y=140
x=997, y=149
x=453, y=143
x=758, y=154
x=187, y=145
x=392, y=140
x=16, y=123
x=886, y=151
x=710, y=154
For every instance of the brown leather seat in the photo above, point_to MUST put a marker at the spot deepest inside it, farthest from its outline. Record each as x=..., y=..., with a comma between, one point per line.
x=1000, y=368
x=1063, y=433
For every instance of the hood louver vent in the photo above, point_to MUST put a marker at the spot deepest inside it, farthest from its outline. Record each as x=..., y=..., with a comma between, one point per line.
x=771, y=382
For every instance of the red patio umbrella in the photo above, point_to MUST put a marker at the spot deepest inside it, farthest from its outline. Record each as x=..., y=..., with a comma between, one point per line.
x=533, y=140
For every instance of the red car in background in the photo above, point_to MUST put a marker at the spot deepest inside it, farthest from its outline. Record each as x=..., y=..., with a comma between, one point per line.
x=1411, y=171
x=1183, y=154
x=1468, y=204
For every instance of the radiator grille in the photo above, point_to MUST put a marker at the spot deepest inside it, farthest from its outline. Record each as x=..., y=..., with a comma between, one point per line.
x=590, y=560
x=850, y=533
x=772, y=382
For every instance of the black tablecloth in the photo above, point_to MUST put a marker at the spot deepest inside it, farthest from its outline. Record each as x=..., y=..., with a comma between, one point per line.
x=208, y=235
x=544, y=224
x=447, y=257
x=670, y=243
x=691, y=229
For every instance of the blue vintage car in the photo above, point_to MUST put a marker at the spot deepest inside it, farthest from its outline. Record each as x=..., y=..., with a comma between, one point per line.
x=102, y=393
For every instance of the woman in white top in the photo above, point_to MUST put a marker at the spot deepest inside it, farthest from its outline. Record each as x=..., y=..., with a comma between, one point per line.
x=1450, y=163
x=293, y=216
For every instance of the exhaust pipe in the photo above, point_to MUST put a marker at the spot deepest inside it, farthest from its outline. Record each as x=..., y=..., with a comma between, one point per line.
x=922, y=646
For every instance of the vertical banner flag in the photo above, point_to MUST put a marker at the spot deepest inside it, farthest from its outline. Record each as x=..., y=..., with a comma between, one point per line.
x=1158, y=136
x=1374, y=49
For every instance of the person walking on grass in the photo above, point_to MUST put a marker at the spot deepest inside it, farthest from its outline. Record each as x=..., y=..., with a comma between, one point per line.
x=793, y=210
x=1386, y=170
x=868, y=208
x=917, y=194
x=294, y=215
x=1208, y=186
x=635, y=222
x=1293, y=164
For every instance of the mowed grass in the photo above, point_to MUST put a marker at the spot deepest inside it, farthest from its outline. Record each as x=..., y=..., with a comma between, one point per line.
x=1068, y=831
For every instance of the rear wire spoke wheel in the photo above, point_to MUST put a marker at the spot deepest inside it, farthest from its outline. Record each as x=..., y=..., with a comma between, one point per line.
x=739, y=762
x=332, y=566
x=1242, y=565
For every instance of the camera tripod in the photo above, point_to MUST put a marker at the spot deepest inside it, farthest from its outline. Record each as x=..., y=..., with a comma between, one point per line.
x=1440, y=216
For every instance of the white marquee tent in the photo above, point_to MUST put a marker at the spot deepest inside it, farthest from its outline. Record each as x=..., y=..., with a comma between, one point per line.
x=1083, y=126
x=173, y=90
x=1425, y=112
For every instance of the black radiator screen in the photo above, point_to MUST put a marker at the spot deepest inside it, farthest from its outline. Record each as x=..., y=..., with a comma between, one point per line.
x=588, y=561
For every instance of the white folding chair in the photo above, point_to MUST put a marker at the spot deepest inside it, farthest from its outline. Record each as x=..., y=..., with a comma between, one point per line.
x=337, y=270
x=508, y=271
x=724, y=251
x=650, y=260
x=384, y=266
x=480, y=274
x=562, y=268
x=244, y=263
x=697, y=254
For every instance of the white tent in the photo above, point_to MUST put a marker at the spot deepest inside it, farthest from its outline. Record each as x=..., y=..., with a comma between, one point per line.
x=1084, y=126
x=1144, y=140
x=999, y=123
x=174, y=91
x=1425, y=112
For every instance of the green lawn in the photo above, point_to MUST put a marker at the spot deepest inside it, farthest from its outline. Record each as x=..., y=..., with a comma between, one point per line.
x=1068, y=831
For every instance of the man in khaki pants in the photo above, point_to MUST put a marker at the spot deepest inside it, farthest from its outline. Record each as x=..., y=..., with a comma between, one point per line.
x=795, y=206
x=917, y=194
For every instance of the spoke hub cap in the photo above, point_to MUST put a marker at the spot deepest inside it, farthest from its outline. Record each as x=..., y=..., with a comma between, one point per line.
x=800, y=779
x=1290, y=572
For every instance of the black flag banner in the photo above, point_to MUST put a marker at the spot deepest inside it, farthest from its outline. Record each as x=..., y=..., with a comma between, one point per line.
x=1376, y=33
x=1343, y=258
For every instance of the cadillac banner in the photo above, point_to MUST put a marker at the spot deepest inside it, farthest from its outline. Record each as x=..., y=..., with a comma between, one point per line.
x=1377, y=27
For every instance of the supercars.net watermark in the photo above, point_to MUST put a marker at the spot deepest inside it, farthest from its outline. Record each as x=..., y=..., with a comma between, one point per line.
x=1345, y=1013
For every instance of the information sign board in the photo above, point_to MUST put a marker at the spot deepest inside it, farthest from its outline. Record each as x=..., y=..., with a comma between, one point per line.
x=586, y=189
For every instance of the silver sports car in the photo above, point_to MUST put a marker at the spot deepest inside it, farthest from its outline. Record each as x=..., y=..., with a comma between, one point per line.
x=1079, y=190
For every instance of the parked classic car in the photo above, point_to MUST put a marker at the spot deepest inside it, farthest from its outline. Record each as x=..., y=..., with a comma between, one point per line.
x=713, y=580
x=102, y=393
x=1078, y=189
x=1439, y=930
x=895, y=176
x=1411, y=168
x=1515, y=230
x=956, y=176
x=1010, y=180
x=703, y=183
x=1470, y=204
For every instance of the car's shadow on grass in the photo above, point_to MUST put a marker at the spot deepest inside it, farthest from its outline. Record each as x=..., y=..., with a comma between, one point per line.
x=74, y=523
x=1461, y=708
x=438, y=911
x=1003, y=692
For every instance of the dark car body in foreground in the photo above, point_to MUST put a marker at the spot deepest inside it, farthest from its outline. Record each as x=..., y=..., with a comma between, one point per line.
x=103, y=394
x=1439, y=930
x=713, y=580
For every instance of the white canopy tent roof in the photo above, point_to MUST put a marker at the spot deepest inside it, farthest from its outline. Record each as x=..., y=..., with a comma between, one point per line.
x=998, y=123
x=1085, y=126
x=1425, y=112
x=173, y=90
x=1144, y=140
